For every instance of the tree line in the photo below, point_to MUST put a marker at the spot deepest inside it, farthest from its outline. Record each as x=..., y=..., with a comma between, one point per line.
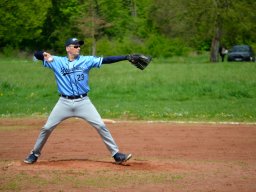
x=161, y=28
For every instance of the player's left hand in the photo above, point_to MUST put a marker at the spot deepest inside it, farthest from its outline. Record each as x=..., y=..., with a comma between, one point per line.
x=139, y=60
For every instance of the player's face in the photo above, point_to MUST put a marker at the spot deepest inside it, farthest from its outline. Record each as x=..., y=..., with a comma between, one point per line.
x=73, y=49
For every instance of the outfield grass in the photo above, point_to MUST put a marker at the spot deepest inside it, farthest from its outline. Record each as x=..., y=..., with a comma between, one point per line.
x=177, y=89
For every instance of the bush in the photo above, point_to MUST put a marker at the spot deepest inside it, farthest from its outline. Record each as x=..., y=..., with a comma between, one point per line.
x=9, y=51
x=159, y=46
x=155, y=45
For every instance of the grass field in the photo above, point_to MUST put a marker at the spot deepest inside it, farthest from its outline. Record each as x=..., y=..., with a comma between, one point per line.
x=177, y=89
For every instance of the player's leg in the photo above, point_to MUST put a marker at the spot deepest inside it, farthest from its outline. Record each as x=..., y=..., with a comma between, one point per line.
x=61, y=111
x=86, y=110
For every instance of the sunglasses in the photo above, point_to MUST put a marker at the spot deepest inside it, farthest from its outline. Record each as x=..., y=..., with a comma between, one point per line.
x=76, y=46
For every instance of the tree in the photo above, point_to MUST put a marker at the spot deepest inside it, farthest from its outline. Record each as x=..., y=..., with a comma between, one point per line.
x=233, y=19
x=59, y=24
x=202, y=22
x=128, y=24
x=90, y=24
x=21, y=22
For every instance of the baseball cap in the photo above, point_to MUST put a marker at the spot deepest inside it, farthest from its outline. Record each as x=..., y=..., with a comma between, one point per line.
x=73, y=41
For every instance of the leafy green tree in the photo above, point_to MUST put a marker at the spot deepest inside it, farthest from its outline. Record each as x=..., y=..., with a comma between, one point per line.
x=202, y=22
x=157, y=27
x=21, y=22
x=112, y=19
x=91, y=24
x=59, y=24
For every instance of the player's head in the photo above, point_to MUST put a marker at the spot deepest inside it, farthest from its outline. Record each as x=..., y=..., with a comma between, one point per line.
x=73, y=46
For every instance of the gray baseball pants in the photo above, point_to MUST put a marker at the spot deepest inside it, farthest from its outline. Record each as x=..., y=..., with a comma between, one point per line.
x=81, y=108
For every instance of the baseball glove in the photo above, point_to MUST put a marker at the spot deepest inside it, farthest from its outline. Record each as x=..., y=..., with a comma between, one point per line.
x=140, y=61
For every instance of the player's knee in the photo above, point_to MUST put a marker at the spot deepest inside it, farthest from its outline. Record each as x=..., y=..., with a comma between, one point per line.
x=100, y=127
x=47, y=129
x=104, y=129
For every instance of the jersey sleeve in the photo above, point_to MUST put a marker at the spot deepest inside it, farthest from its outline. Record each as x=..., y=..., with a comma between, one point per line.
x=57, y=60
x=93, y=61
x=49, y=64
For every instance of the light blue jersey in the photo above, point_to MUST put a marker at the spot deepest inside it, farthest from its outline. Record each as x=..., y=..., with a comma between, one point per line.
x=72, y=76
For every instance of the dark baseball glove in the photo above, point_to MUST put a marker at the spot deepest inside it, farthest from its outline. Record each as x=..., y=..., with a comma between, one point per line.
x=139, y=60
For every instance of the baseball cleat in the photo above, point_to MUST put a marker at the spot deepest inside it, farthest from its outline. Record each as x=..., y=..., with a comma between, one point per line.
x=32, y=158
x=120, y=157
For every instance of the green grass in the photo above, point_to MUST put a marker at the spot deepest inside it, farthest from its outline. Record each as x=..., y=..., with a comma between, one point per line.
x=180, y=88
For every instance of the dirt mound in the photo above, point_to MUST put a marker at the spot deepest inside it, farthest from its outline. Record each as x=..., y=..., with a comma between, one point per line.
x=166, y=157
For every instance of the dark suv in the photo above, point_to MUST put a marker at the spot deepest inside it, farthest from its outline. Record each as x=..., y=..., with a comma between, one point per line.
x=241, y=53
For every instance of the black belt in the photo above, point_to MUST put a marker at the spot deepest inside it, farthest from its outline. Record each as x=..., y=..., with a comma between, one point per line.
x=74, y=96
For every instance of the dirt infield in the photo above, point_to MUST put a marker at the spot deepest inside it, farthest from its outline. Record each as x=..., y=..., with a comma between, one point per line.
x=166, y=157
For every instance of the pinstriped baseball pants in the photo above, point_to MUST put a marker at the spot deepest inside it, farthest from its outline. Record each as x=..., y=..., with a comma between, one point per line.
x=81, y=108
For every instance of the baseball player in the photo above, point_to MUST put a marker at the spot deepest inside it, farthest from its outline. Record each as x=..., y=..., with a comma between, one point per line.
x=71, y=74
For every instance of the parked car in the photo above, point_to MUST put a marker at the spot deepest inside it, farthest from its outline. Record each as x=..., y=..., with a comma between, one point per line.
x=241, y=53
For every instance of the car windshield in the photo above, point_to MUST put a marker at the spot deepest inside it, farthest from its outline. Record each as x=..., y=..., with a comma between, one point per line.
x=240, y=49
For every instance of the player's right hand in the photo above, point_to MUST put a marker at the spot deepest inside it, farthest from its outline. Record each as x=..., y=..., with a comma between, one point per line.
x=48, y=57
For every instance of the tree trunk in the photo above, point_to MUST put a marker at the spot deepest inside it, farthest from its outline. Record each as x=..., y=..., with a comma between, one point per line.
x=217, y=36
x=93, y=26
x=133, y=8
x=215, y=46
x=94, y=47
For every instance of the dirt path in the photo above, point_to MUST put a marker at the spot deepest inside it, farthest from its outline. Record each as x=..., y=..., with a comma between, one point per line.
x=166, y=157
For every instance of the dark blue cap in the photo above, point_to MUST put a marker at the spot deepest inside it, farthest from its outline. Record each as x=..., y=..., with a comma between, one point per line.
x=73, y=41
